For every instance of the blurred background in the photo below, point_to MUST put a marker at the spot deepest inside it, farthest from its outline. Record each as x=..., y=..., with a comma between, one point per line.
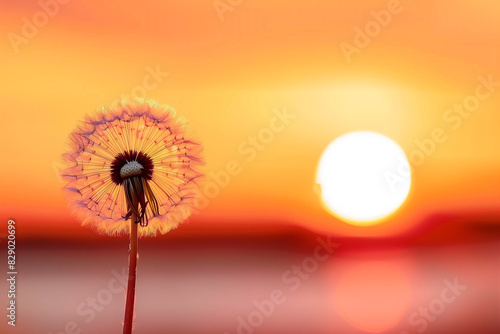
x=261, y=254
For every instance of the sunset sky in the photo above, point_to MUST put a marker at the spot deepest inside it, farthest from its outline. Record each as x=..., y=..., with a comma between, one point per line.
x=227, y=76
x=265, y=86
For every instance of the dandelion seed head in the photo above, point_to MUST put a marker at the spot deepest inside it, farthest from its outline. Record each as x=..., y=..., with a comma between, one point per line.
x=137, y=144
x=131, y=168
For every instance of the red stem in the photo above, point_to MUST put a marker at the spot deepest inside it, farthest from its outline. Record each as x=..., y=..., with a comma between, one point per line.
x=132, y=275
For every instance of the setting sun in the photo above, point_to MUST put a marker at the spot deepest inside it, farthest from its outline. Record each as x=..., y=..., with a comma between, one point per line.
x=356, y=174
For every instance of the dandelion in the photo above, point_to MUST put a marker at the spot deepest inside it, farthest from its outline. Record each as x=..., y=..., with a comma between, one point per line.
x=132, y=162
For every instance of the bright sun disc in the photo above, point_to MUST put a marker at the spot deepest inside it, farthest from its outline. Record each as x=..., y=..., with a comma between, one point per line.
x=364, y=177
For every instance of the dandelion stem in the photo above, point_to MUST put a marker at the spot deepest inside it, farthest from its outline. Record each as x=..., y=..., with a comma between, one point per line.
x=132, y=275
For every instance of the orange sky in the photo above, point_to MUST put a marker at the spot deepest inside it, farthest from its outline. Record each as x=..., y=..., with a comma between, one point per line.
x=227, y=76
